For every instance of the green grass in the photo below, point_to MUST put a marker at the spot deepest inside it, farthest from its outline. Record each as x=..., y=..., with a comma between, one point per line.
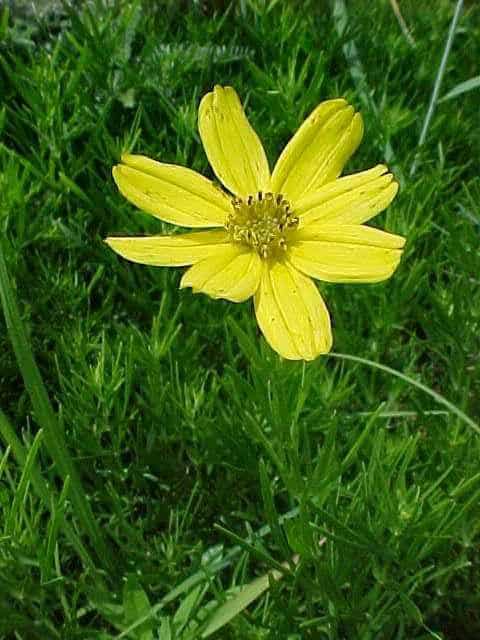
x=156, y=456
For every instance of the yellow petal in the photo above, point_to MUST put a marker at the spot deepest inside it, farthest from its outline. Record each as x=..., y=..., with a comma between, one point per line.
x=291, y=313
x=232, y=146
x=172, y=193
x=319, y=150
x=350, y=253
x=170, y=251
x=349, y=200
x=233, y=273
x=357, y=234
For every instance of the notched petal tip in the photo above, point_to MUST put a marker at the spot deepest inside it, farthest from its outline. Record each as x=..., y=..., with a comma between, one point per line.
x=356, y=116
x=354, y=132
x=126, y=158
x=205, y=102
x=220, y=88
x=339, y=103
x=115, y=243
x=184, y=282
x=358, y=125
x=381, y=168
x=115, y=172
x=121, y=179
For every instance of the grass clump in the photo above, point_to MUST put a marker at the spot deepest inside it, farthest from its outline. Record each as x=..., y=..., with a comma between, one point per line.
x=194, y=461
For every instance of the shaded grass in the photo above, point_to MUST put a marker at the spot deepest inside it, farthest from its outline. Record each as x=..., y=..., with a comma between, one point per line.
x=176, y=413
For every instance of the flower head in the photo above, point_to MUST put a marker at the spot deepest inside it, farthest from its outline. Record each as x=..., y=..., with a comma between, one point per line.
x=272, y=232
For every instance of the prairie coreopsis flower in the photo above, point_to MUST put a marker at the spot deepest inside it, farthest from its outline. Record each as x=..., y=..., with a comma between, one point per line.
x=272, y=232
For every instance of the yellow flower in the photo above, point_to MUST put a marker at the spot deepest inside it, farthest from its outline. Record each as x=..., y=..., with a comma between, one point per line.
x=277, y=230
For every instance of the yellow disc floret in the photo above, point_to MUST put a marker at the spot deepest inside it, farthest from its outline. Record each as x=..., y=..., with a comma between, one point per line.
x=262, y=221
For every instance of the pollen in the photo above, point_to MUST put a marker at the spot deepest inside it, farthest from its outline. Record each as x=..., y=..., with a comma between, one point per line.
x=262, y=221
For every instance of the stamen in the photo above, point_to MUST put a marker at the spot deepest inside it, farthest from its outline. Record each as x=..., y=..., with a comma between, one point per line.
x=262, y=221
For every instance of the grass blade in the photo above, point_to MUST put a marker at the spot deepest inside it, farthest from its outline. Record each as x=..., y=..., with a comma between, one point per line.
x=23, y=485
x=463, y=87
x=231, y=608
x=401, y=21
x=433, y=394
x=438, y=81
x=269, y=506
x=241, y=600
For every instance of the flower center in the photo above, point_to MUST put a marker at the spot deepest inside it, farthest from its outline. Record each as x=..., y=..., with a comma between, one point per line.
x=262, y=221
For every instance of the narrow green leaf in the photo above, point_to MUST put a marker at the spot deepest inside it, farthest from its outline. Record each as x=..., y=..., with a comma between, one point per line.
x=4, y=460
x=254, y=550
x=165, y=630
x=240, y=601
x=72, y=186
x=270, y=511
x=57, y=515
x=465, y=485
x=13, y=519
x=463, y=87
x=246, y=344
x=136, y=605
x=4, y=22
x=411, y=609
x=352, y=454
x=185, y=611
